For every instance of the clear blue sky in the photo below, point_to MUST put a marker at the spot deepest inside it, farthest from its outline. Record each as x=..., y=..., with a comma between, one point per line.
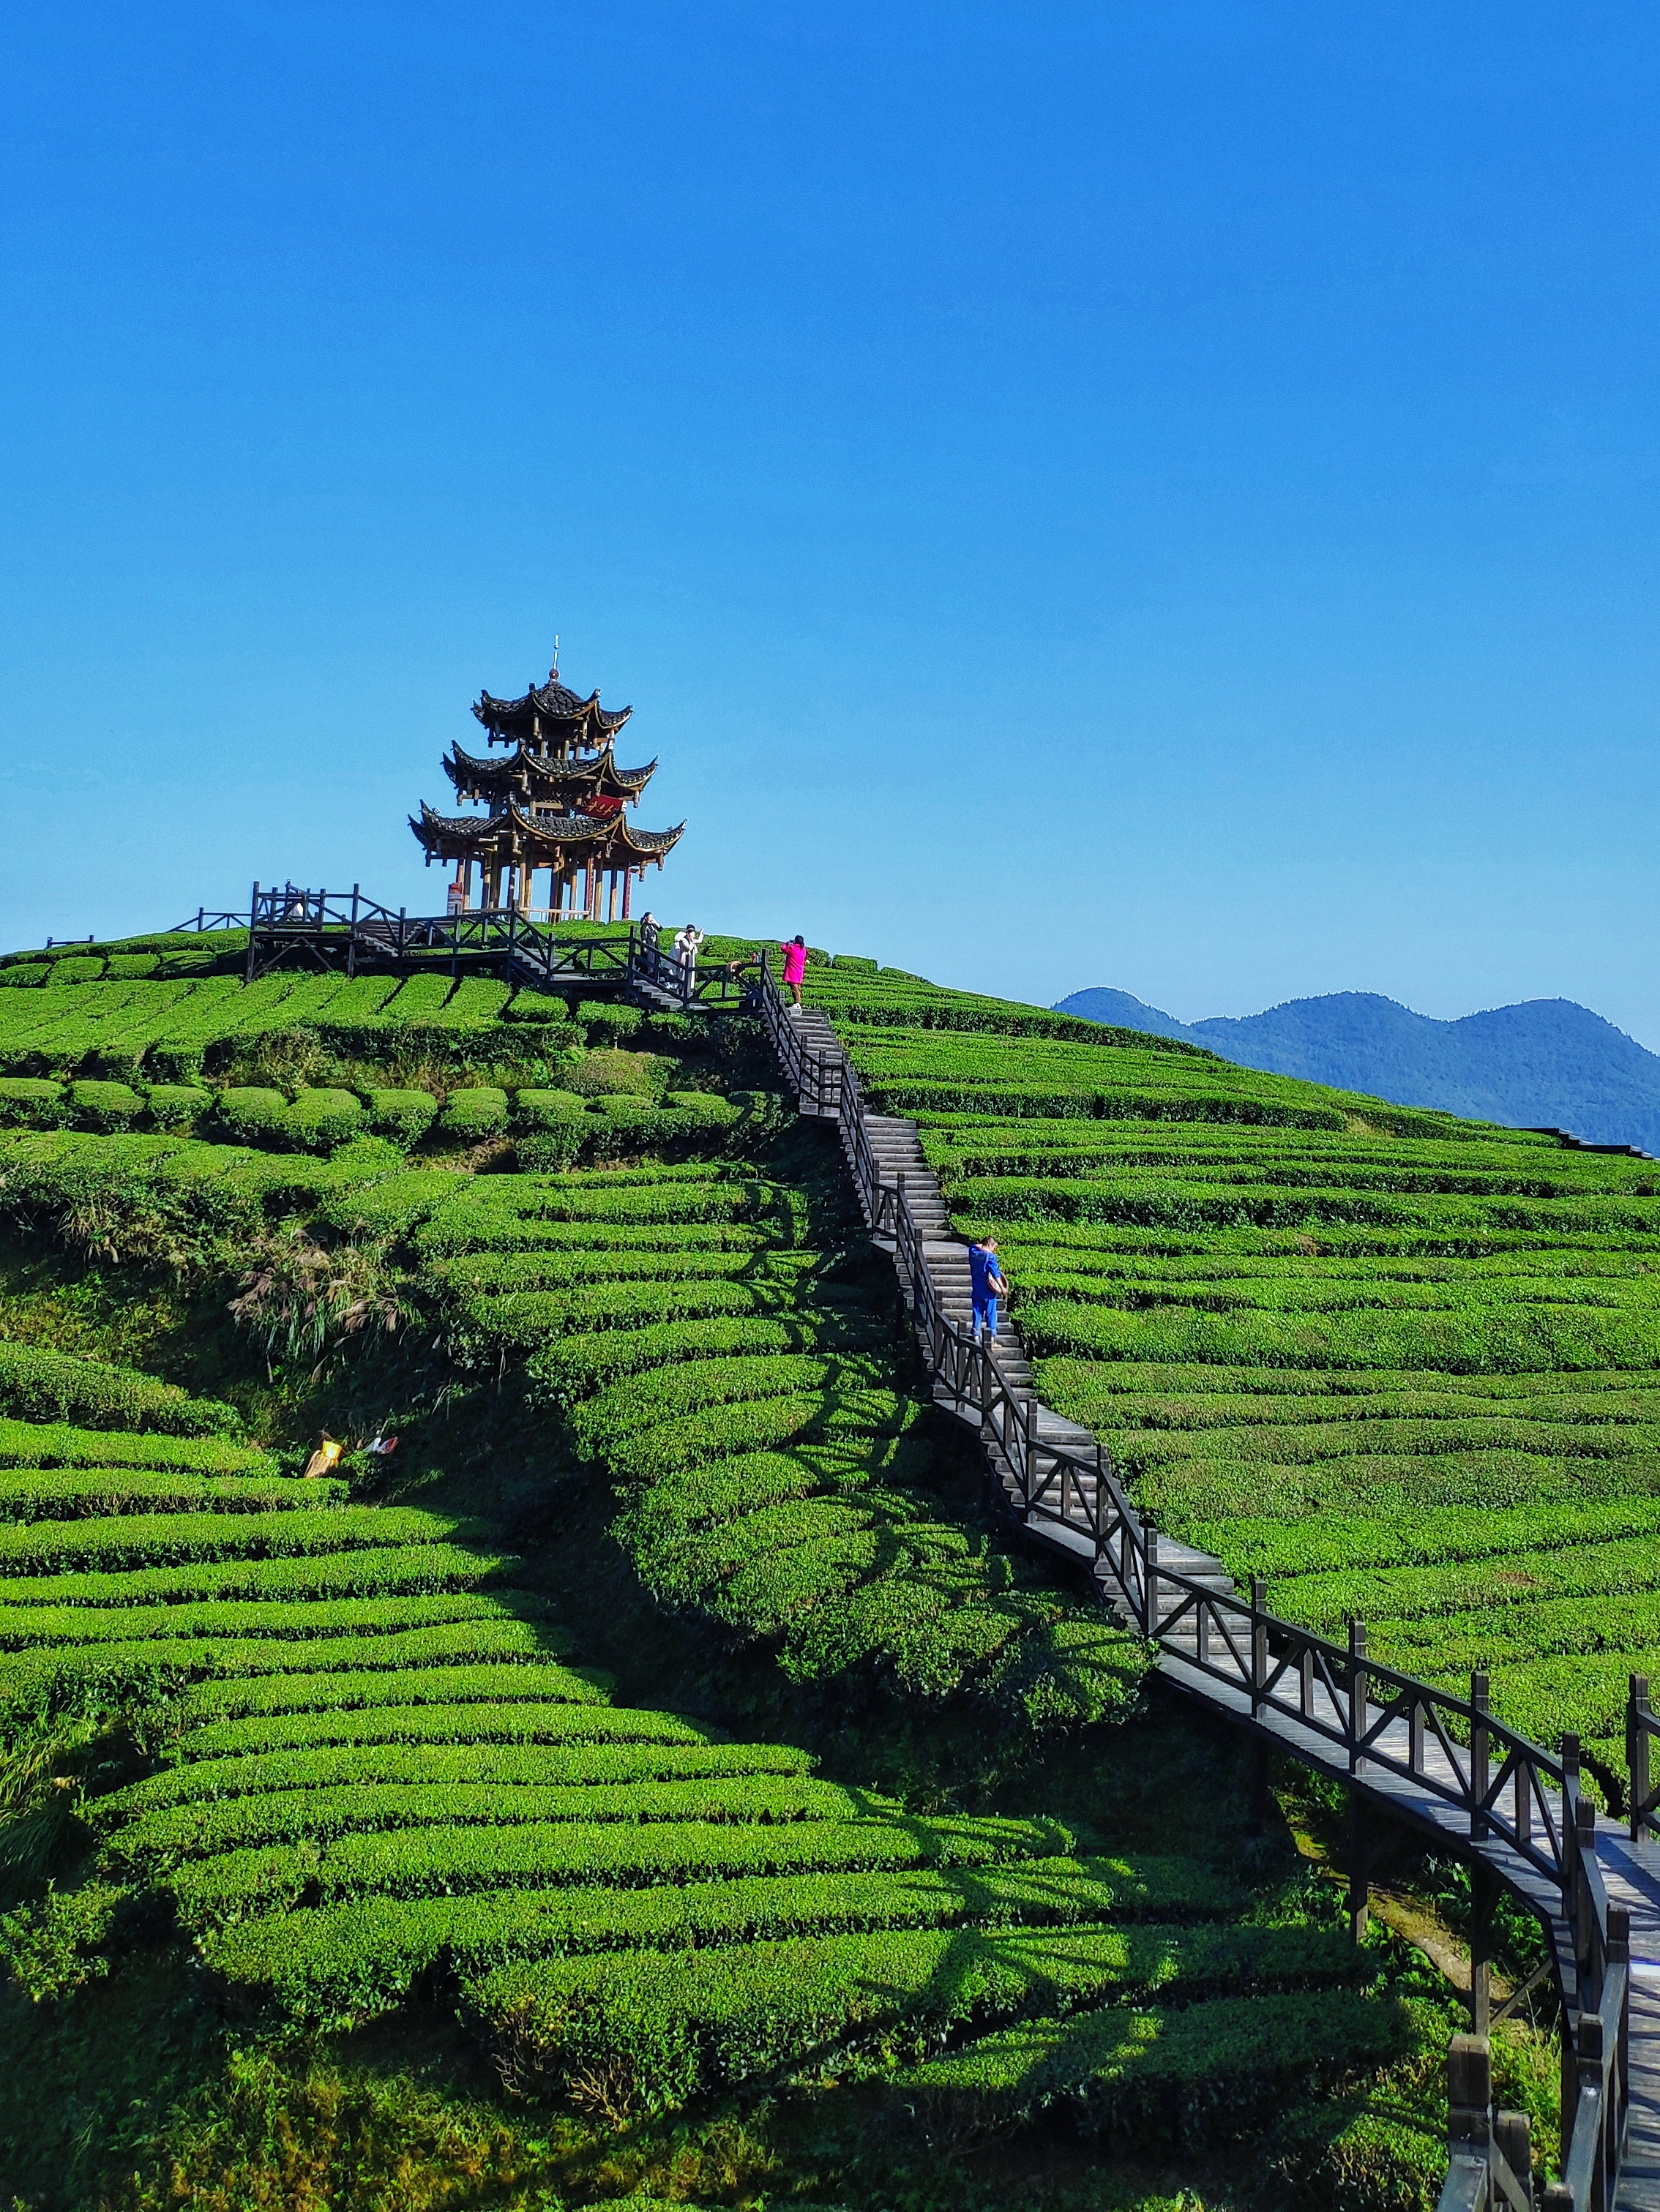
x=1160, y=497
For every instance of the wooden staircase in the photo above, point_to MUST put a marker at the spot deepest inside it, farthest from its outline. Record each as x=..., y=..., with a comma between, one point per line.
x=897, y=1146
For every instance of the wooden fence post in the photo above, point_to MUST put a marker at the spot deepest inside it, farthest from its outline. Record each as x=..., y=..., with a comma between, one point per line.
x=1359, y=1840
x=1480, y=1762
x=1619, y=1955
x=1484, y=1896
x=1469, y=2095
x=1591, y=1961
x=1357, y=1690
x=1637, y=1753
x=1512, y=2138
x=1149, y=1587
x=1259, y=1642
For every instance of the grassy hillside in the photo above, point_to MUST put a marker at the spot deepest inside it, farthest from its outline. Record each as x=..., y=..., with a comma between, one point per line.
x=1406, y=1367
x=655, y=1780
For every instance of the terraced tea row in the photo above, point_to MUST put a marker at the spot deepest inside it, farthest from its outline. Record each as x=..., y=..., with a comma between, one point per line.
x=168, y=1027
x=319, y=1119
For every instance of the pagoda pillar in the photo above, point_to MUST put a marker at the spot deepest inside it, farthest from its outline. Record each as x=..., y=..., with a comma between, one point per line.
x=628, y=885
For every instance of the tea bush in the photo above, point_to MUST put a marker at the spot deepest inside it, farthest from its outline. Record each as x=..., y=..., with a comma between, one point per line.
x=38, y=1385
x=404, y=1115
x=470, y=1113
x=32, y=1101
x=251, y=1114
x=320, y=1120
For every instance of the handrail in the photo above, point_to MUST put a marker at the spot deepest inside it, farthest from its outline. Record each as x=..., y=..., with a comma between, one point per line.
x=1595, y=2143
x=206, y=918
x=1524, y=1806
x=280, y=917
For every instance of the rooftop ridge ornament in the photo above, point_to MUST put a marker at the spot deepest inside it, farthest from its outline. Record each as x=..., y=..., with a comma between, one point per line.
x=556, y=799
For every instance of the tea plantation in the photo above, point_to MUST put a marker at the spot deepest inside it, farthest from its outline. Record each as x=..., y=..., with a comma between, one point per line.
x=1406, y=1367
x=655, y=1778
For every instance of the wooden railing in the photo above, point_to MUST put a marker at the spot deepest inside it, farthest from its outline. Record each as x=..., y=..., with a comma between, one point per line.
x=1519, y=1807
x=722, y=983
x=282, y=918
x=206, y=918
x=1489, y=2154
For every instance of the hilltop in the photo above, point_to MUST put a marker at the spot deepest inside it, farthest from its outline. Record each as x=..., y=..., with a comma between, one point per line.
x=662, y=1776
x=1547, y=1063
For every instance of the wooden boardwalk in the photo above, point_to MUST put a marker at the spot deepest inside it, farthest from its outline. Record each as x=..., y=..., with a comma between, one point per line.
x=1423, y=1780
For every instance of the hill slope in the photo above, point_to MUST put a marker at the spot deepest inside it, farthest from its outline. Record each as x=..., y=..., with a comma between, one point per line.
x=664, y=1726
x=1545, y=1063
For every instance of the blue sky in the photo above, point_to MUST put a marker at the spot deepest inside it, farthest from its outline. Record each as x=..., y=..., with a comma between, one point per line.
x=1075, y=494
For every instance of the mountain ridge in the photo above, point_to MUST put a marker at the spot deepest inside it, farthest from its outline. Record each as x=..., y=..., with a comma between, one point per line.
x=1540, y=1063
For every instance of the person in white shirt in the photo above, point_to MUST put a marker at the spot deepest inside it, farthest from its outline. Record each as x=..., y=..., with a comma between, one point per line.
x=685, y=951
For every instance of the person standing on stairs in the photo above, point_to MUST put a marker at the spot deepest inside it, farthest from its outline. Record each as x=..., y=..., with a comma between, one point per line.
x=795, y=967
x=685, y=954
x=987, y=1283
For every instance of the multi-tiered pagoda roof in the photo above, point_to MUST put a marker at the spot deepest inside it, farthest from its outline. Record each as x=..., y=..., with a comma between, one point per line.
x=558, y=800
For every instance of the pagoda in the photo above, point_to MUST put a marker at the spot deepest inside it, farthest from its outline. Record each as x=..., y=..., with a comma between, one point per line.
x=555, y=799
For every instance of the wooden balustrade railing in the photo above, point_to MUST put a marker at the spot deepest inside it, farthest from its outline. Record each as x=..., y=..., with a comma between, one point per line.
x=1521, y=1807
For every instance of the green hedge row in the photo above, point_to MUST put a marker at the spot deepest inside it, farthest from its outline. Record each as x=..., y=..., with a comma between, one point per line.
x=448, y=1859
x=262, y=1801
x=103, y=1546
x=70, y=1494
x=57, y=1443
x=1178, y=2078
x=371, y=1570
x=689, y=2021
x=37, y=1385
x=320, y=1699
x=422, y=1800
x=287, y=1623
x=554, y=1124
x=337, y=1963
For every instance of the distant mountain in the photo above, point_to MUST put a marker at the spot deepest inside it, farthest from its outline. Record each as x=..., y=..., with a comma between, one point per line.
x=1544, y=1063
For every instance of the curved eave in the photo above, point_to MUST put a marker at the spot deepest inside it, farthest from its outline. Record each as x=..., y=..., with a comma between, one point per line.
x=470, y=771
x=471, y=829
x=648, y=844
x=563, y=834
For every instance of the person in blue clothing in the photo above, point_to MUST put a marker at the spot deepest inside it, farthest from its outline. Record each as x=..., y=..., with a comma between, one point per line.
x=988, y=1284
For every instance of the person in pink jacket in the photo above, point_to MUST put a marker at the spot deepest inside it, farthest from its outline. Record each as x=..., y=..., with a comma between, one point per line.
x=795, y=967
